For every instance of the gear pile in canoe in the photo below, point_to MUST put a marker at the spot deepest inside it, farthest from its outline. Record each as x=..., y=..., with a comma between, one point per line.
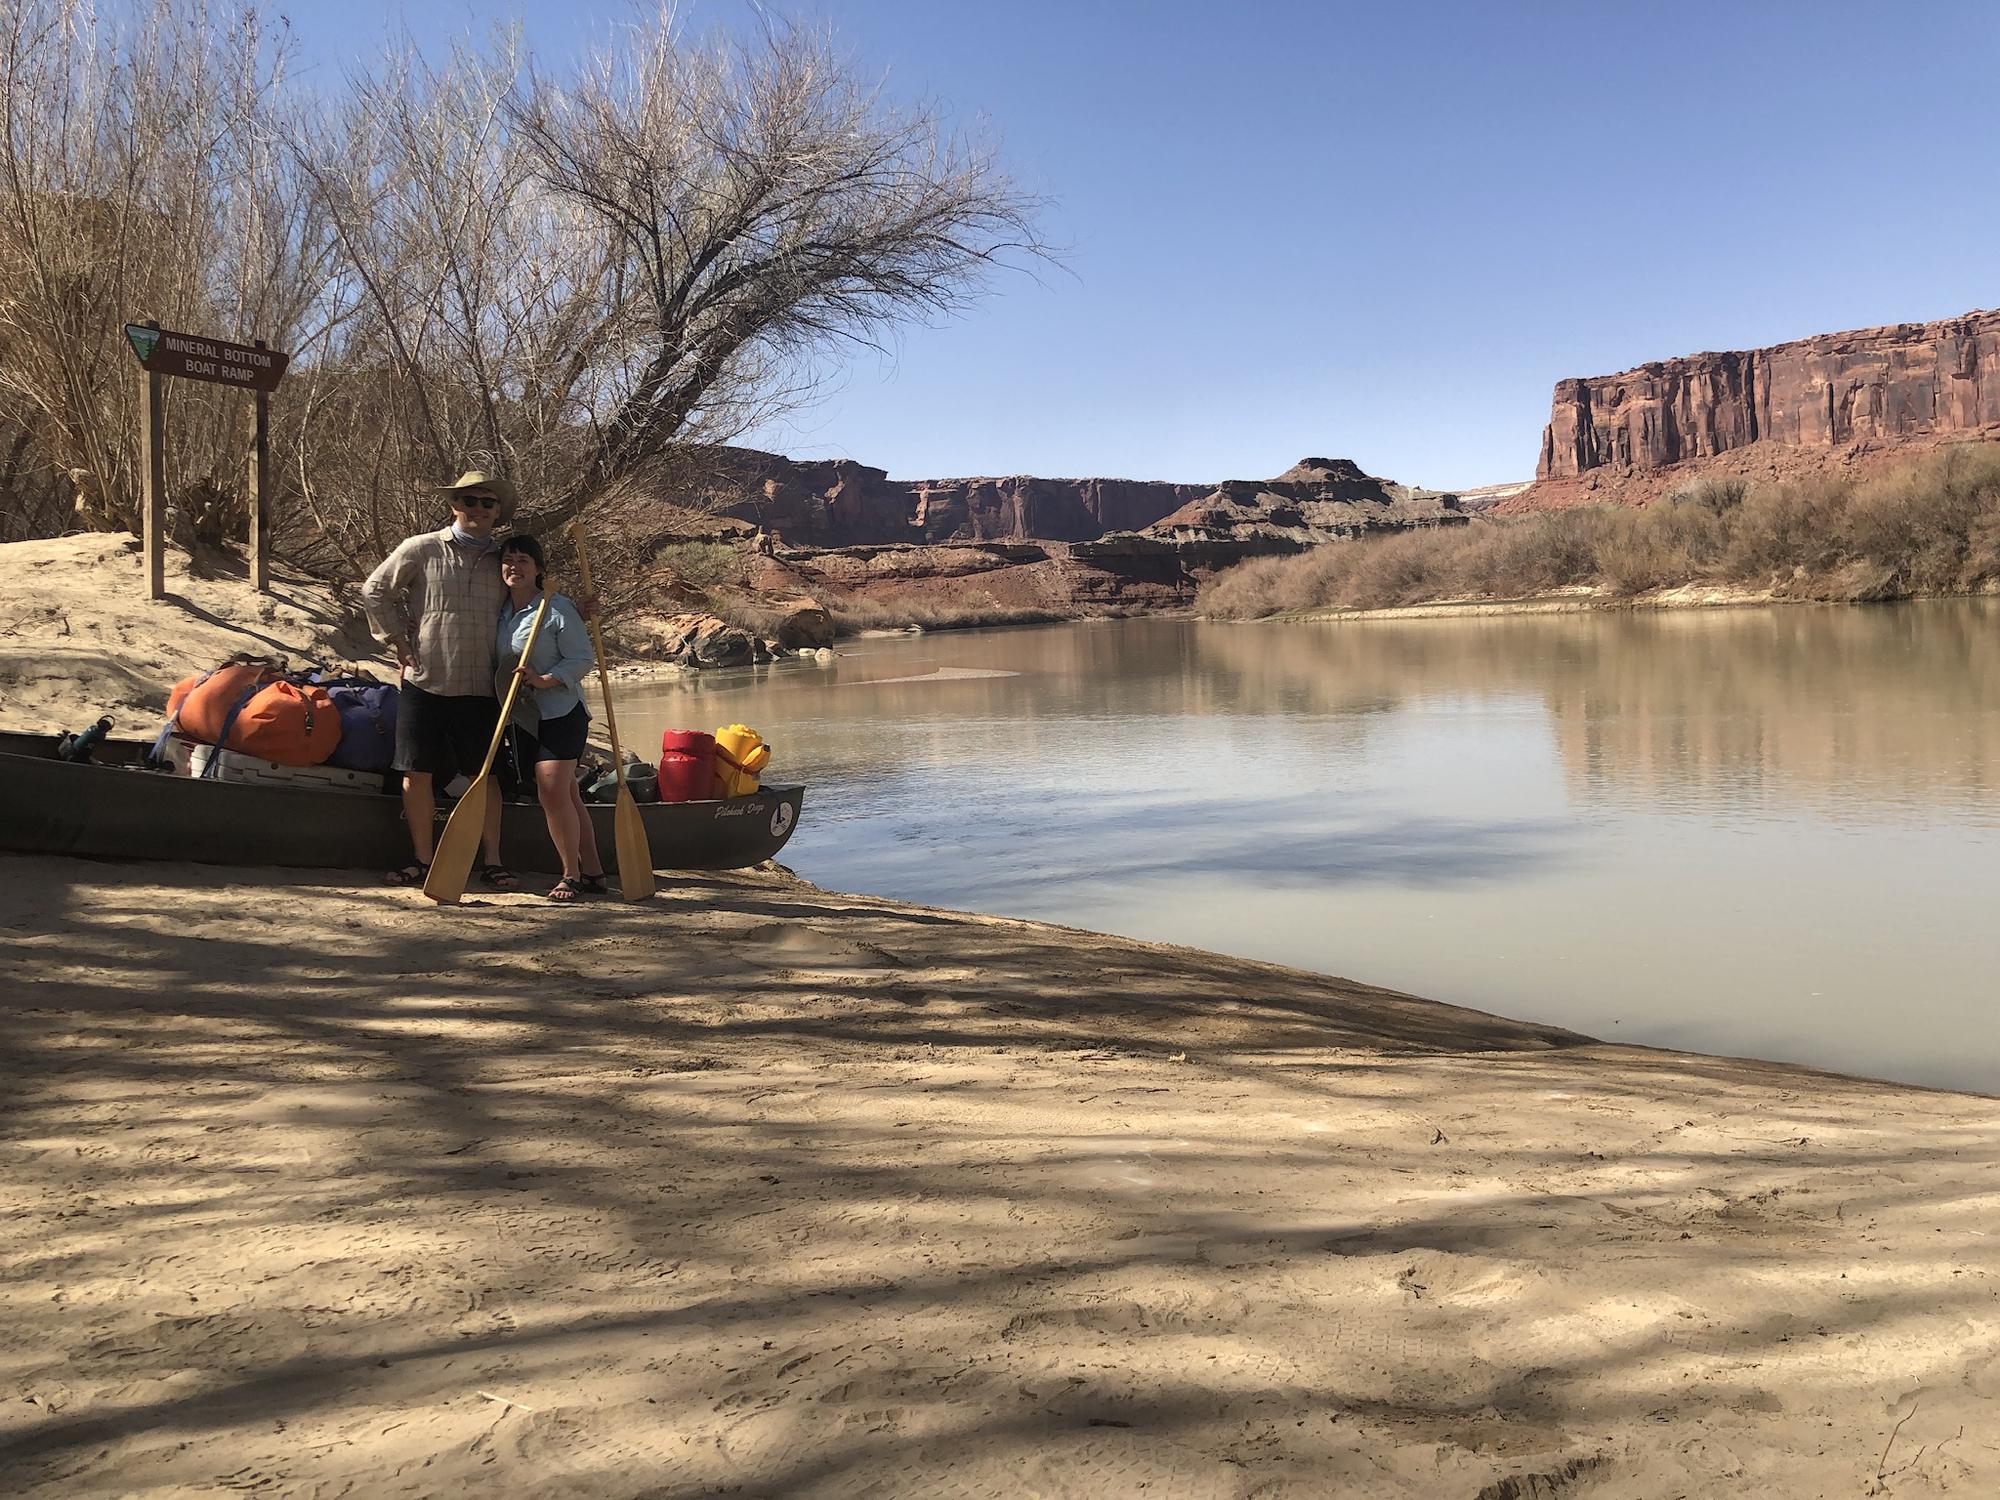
x=258, y=765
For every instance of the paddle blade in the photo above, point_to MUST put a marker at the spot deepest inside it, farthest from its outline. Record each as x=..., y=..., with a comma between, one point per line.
x=458, y=845
x=635, y=851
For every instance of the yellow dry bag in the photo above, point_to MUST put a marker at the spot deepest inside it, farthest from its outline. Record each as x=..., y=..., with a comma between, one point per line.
x=740, y=753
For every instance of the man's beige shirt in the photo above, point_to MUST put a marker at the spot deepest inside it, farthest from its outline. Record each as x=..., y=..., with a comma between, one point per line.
x=443, y=596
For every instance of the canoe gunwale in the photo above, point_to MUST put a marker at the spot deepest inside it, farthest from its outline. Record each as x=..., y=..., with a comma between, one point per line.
x=118, y=810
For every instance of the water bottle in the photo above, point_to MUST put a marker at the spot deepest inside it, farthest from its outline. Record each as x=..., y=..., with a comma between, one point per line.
x=77, y=747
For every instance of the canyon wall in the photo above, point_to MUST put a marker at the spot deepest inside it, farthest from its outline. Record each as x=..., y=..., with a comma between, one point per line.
x=841, y=503
x=843, y=532
x=1810, y=404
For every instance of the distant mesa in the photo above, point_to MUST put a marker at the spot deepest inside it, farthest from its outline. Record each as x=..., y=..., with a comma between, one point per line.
x=1025, y=546
x=1484, y=497
x=1316, y=500
x=1837, y=402
x=841, y=503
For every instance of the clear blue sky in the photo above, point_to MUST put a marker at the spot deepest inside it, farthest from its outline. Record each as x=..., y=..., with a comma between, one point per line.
x=1383, y=231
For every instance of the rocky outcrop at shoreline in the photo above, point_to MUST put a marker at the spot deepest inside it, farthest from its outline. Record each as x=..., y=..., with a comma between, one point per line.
x=1834, y=401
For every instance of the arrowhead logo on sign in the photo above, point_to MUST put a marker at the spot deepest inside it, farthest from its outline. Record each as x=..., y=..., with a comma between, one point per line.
x=142, y=340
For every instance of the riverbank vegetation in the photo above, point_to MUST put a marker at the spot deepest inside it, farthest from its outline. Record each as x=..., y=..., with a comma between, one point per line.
x=579, y=273
x=971, y=612
x=1930, y=528
x=857, y=612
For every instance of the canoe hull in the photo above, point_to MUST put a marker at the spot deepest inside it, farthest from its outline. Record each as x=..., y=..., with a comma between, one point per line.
x=116, y=811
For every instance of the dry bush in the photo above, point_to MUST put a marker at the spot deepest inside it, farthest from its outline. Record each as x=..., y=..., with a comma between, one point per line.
x=135, y=183
x=36, y=499
x=1781, y=532
x=1917, y=526
x=1719, y=495
x=1982, y=550
x=1249, y=590
x=1679, y=541
x=1487, y=560
x=961, y=612
x=1514, y=562
x=1931, y=528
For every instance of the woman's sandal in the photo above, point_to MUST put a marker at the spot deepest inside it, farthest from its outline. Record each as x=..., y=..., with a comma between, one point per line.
x=498, y=878
x=590, y=885
x=566, y=889
x=416, y=872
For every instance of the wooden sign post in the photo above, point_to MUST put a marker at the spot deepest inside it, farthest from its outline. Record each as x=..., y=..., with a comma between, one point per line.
x=153, y=526
x=254, y=367
x=260, y=486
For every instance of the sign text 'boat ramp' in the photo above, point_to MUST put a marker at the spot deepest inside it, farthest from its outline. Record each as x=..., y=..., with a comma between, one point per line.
x=162, y=351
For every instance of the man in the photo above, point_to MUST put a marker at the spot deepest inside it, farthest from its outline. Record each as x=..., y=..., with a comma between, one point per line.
x=435, y=601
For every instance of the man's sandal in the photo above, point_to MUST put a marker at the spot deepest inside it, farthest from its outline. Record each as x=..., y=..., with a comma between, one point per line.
x=416, y=872
x=498, y=878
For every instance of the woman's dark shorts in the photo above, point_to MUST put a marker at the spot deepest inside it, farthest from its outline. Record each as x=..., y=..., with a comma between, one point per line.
x=563, y=738
x=443, y=735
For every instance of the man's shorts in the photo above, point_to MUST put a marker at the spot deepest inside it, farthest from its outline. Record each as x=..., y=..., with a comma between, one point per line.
x=443, y=735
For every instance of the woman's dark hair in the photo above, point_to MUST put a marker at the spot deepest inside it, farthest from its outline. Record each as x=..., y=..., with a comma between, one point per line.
x=528, y=547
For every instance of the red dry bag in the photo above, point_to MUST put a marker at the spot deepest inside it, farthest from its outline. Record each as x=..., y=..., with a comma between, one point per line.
x=687, y=765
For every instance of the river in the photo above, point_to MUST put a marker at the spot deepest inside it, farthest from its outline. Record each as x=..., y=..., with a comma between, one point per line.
x=1762, y=832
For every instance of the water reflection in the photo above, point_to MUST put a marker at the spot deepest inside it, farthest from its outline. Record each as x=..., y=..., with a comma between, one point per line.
x=1844, y=709
x=1754, y=831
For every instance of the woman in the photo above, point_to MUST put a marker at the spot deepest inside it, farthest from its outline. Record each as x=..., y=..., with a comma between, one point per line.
x=562, y=658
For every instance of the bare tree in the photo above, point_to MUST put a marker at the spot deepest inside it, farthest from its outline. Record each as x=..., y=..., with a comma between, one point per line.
x=764, y=207
x=584, y=280
x=132, y=182
x=463, y=292
x=587, y=281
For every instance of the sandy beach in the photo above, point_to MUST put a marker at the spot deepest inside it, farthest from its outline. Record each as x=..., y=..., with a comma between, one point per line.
x=315, y=1189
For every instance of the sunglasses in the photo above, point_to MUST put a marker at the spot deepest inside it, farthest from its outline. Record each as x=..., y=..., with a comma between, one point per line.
x=483, y=500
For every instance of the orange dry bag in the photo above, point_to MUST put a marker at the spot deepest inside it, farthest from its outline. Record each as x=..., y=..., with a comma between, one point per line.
x=249, y=708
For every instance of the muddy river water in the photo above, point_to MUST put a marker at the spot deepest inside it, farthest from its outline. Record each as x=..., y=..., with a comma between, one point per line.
x=1768, y=832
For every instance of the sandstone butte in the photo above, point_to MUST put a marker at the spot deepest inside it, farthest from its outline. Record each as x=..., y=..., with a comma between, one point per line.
x=841, y=503
x=1023, y=545
x=1835, y=403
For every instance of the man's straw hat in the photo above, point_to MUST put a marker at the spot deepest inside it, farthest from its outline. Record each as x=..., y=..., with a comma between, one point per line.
x=493, y=484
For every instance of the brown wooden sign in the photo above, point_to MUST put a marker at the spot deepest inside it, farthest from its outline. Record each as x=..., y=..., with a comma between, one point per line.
x=162, y=351
x=248, y=367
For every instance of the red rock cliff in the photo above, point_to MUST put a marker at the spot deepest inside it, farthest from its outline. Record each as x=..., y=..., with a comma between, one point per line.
x=840, y=503
x=1906, y=385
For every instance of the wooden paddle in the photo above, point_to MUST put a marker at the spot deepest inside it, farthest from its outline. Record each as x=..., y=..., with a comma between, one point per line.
x=635, y=852
x=458, y=845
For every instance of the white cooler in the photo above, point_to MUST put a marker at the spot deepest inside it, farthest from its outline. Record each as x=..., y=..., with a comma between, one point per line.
x=231, y=765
